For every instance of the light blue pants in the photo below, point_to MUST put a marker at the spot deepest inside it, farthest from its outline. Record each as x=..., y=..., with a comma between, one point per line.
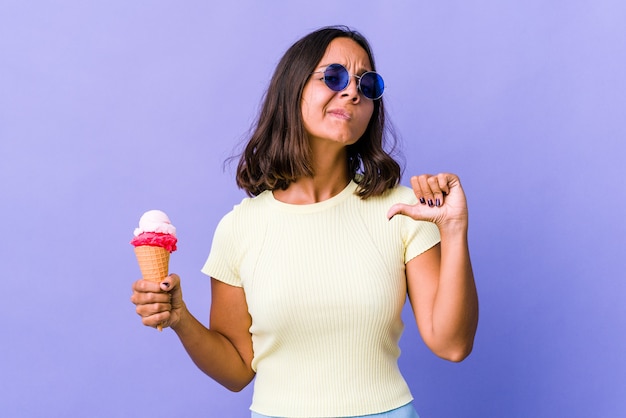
x=406, y=411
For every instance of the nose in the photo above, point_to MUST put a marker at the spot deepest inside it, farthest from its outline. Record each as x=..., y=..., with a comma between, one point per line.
x=352, y=90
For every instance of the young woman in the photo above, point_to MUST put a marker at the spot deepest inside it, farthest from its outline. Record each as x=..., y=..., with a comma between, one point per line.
x=310, y=274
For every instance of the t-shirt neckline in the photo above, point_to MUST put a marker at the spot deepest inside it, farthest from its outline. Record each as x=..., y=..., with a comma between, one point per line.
x=348, y=191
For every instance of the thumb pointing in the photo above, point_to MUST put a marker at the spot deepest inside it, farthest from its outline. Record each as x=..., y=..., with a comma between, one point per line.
x=397, y=209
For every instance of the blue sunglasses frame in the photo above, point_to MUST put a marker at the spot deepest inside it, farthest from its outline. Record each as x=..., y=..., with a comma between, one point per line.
x=336, y=77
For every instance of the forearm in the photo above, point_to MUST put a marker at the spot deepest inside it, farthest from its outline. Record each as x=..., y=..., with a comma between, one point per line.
x=213, y=353
x=455, y=307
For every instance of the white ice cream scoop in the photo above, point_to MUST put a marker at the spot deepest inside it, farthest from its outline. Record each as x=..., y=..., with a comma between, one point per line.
x=155, y=221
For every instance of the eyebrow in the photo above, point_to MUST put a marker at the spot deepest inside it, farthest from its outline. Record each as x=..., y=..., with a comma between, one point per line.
x=361, y=70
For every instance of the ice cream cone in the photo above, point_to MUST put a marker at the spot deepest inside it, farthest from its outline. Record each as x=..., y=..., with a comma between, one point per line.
x=153, y=263
x=154, y=240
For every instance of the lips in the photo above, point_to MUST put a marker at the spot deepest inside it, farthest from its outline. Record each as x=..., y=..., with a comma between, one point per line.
x=340, y=114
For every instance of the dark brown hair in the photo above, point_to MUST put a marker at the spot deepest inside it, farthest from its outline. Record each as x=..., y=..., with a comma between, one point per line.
x=278, y=151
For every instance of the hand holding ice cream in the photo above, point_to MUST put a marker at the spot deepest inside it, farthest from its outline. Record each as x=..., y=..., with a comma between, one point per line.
x=154, y=240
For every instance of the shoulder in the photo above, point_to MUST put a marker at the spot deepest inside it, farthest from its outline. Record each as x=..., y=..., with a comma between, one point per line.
x=404, y=194
x=250, y=205
x=245, y=213
x=397, y=194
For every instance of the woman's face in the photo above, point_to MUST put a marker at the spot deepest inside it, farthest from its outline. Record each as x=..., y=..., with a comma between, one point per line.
x=337, y=116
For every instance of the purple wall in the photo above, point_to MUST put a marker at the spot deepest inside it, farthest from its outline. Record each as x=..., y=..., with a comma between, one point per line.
x=110, y=109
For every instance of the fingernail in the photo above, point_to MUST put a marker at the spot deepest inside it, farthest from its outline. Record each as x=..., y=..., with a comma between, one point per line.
x=430, y=203
x=422, y=200
x=166, y=284
x=437, y=202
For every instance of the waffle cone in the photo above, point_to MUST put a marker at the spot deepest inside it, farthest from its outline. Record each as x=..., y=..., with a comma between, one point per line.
x=153, y=262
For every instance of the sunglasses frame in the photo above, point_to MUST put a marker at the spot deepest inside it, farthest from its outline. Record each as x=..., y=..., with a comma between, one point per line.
x=358, y=77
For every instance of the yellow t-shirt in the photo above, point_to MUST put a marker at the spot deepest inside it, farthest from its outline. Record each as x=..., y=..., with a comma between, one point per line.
x=325, y=286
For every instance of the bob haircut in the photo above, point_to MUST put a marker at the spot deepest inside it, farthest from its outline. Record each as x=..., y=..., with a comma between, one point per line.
x=278, y=151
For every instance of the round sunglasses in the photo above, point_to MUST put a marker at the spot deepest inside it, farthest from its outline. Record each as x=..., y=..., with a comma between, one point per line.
x=370, y=83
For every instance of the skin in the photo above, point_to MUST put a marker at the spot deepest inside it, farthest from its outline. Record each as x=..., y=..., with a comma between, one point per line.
x=333, y=121
x=440, y=281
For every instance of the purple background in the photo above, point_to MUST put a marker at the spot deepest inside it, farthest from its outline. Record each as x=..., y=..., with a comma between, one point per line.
x=108, y=109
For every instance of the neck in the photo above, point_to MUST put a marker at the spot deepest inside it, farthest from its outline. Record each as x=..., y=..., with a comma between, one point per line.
x=331, y=177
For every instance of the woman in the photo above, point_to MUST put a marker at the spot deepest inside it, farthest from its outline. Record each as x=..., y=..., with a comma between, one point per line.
x=309, y=275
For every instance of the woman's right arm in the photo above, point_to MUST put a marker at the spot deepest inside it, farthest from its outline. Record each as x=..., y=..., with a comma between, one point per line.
x=223, y=351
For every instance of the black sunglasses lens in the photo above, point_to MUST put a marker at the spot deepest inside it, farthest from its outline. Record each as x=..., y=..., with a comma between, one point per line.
x=372, y=85
x=336, y=77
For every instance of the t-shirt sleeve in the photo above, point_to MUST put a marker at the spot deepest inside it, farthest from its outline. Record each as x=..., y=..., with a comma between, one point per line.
x=223, y=261
x=418, y=236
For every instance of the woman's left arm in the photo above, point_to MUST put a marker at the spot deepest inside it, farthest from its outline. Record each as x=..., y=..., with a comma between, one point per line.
x=440, y=281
